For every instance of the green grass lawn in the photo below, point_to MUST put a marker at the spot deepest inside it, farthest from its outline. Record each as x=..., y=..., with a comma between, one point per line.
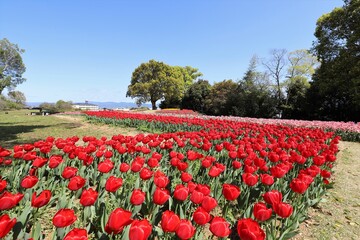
x=19, y=127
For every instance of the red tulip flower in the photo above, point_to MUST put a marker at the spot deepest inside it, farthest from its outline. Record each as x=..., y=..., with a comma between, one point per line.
x=248, y=229
x=29, y=181
x=273, y=197
x=64, y=217
x=55, y=161
x=105, y=166
x=220, y=227
x=230, y=192
x=6, y=225
x=261, y=212
x=88, y=197
x=140, y=230
x=124, y=167
x=186, y=177
x=201, y=216
x=76, y=234
x=113, y=184
x=137, y=197
x=76, y=183
x=9, y=200
x=39, y=162
x=185, y=230
x=145, y=173
x=3, y=184
x=282, y=209
x=181, y=192
x=250, y=179
x=118, y=219
x=160, y=179
x=298, y=186
x=169, y=221
x=69, y=172
x=197, y=197
x=267, y=179
x=41, y=200
x=209, y=203
x=161, y=196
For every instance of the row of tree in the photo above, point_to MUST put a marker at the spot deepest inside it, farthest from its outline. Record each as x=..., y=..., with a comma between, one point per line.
x=323, y=83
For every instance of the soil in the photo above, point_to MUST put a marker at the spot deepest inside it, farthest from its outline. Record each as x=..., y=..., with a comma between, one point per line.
x=338, y=215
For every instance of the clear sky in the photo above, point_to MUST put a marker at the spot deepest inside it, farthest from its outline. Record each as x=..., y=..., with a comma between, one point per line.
x=79, y=50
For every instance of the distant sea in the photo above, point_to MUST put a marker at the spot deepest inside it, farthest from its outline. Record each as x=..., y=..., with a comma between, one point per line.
x=108, y=105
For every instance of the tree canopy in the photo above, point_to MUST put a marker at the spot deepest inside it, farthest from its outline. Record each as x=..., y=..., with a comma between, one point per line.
x=11, y=65
x=153, y=81
x=335, y=91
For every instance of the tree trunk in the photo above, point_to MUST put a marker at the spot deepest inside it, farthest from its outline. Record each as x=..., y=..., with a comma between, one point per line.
x=153, y=103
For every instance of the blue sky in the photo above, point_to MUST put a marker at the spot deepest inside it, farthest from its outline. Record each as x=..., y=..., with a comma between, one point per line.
x=87, y=50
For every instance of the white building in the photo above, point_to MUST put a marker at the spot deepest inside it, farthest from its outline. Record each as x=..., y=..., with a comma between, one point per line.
x=85, y=106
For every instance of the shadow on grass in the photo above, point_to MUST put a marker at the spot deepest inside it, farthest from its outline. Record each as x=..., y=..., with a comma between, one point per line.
x=8, y=133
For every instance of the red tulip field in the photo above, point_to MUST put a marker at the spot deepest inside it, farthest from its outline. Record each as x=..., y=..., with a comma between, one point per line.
x=201, y=178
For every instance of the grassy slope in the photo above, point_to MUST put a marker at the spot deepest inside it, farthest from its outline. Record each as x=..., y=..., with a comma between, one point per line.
x=18, y=127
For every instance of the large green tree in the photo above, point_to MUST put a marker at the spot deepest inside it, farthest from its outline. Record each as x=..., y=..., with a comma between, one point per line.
x=195, y=96
x=302, y=65
x=188, y=75
x=215, y=103
x=335, y=91
x=253, y=95
x=153, y=81
x=11, y=65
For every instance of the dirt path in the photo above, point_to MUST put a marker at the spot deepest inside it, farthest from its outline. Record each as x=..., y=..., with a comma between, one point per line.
x=338, y=216
x=105, y=129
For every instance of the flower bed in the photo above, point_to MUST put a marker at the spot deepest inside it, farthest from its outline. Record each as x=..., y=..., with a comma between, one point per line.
x=210, y=177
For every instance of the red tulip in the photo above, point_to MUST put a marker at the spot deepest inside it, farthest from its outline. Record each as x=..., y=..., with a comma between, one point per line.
x=140, y=230
x=230, y=192
x=6, y=225
x=197, y=197
x=9, y=200
x=186, y=177
x=160, y=179
x=3, y=184
x=267, y=179
x=76, y=183
x=29, y=181
x=200, y=216
x=161, y=196
x=220, y=227
x=169, y=221
x=185, y=230
x=236, y=164
x=105, y=166
x=41, y=200
x=273, y=197
x=209, y=203
x=77, y=234
x=282, y=209
x=64, y=217
x=118, y=219
x=145, y=173
x=250, y=179
x=88, y=197
x=137, y=197
x=69, y=172
x=248, y=229
x=39, y=162
x=298, y=186
x=124, y=167
x=55, y=161
x=261, y=212
x=181, y=192
x=113, y=184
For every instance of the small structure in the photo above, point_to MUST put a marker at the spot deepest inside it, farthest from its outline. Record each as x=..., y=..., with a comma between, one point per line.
x=85, y=106
x=43, y=112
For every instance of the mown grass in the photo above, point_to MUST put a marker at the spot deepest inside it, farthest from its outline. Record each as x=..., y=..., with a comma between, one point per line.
x=19, y=127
